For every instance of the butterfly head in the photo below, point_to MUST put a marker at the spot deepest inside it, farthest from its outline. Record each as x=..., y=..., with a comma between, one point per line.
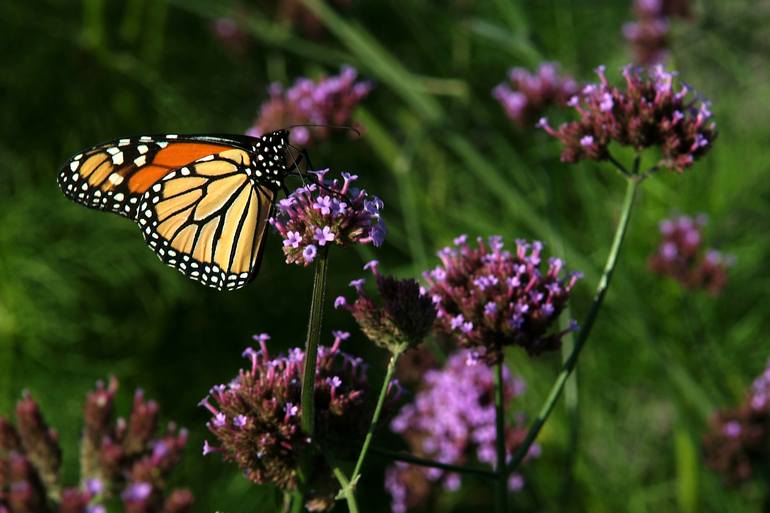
x=271, y=158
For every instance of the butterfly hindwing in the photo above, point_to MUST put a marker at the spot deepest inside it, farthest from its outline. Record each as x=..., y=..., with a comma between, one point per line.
x=208, y=219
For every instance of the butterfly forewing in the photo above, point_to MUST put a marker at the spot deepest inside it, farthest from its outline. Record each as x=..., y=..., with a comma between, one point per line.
x=202, y=202
x=113, y=176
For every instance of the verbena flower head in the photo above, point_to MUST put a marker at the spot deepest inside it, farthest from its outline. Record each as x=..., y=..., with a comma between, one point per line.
x=326, y=213
x=649, y=112
x=327, y=101
x=683, y=257
x=736, y=444
x=452, y=420
x=528, y=95
x=403, y=318
x=117, y=458
x=488, y=298
x=256, y=417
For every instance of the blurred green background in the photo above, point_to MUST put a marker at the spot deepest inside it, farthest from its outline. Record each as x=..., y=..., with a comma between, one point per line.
x=81, y=296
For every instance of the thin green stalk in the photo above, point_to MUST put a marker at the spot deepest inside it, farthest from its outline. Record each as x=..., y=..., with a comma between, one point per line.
x=297, y=501
x=571, y=398
x=501, y=495
x=346, y=490
x=311, y=345
x=424, y=462
x=376, y=417
x=601, y=289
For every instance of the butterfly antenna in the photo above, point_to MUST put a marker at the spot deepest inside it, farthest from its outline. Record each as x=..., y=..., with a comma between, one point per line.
x=295, y=162
x=335, y=127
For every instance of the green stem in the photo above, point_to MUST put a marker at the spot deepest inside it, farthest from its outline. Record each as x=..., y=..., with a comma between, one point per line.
x=501, y=496
x=311, y=345
x=346, y=490
x=376, y=417
x=601, y=290
x=571, y=398
x=297, y=501
x=424, y=462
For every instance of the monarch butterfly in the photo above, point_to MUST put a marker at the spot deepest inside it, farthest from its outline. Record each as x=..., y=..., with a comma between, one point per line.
x=201, y=201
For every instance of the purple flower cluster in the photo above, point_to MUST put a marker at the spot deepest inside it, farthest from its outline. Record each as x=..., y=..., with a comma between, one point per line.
x=256, y=417
x=403, y=319
x=488, y=298
x=681, y=256
x=736, y=444
x=328, y=101
x=326, y=213
x=648, y=35
x=117, y=457
x=650, y=112
x=528, y=95
x=452, y=420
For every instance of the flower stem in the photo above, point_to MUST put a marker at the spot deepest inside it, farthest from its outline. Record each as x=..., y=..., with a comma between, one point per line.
x=297, y=501
x=501, y=496
x=424, y=462
x=601, y=289
x=376, y=417
x=311, y=344
x=346, y=490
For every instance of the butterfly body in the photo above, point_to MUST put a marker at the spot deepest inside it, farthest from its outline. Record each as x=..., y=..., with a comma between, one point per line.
x=201, y=202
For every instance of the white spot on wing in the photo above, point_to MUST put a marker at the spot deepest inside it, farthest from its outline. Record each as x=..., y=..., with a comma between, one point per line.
x=115, y=179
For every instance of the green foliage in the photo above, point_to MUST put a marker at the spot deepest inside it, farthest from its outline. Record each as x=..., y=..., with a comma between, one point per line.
x=80, y=296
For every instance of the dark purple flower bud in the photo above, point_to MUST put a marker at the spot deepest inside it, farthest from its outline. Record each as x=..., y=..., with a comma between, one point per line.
x=256, y=418
x=40, y=442
x=648, y=112
x=328, y=101
x=403, y=318
x=528, y=95
x=736, y=444
x=74, y=501
x=178, y=501
x=452, y=420
x=682, y=257
x=26, y=494
x=141, y=497
x=488, y=298
x=141, y=424
x=325, y=213
x=9, y=438
x=97, y=420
